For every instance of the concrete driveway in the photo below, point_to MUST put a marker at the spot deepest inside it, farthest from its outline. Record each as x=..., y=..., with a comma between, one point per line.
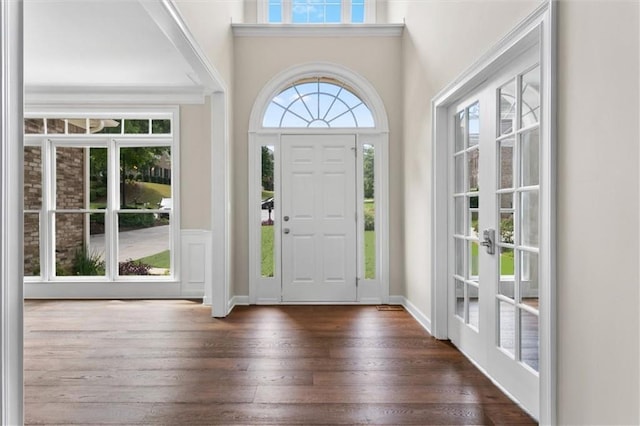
x=135, y=244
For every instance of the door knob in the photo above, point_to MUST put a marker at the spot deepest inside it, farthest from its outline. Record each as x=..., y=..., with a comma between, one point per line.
x=286, y=218
x=489, y=240
x=286, y=230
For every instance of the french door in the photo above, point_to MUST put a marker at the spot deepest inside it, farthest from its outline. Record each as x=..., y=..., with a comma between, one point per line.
x=494, y=153
x=318, y=218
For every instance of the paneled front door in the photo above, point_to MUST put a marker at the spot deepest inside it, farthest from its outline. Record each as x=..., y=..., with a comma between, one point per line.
x=318, y=218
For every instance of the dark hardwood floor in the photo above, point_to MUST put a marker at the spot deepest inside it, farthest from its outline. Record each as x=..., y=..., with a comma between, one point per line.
x=169, y=362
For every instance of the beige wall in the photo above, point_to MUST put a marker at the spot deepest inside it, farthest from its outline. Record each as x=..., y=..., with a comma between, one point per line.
x=258, y=60
x=208, y=21
x=598, y=213
x=195, y=166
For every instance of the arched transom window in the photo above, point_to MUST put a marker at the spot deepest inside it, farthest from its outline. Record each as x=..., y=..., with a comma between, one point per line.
x=319, y=103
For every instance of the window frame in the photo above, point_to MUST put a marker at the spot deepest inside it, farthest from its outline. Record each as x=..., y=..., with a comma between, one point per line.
x=112, y=142
x=287, y=14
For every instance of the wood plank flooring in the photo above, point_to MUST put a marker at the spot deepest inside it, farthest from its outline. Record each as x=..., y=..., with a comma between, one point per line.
x=169, y=362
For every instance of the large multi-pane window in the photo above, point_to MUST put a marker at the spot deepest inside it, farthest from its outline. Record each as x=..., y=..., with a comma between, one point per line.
x=317, y=11
x=98, y=197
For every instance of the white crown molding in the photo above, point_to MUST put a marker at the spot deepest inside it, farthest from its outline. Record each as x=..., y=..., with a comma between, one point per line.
x=317, y=30
x=121, y=95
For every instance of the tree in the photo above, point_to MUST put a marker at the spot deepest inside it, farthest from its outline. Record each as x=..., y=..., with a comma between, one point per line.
x=368, y=165
x=134, y=158
x=267, y=169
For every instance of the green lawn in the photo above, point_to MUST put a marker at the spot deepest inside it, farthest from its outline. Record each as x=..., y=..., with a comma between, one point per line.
x=370, y=254
x=158, y=260
x=143, y=193
x=506, y=262
x=267, y=252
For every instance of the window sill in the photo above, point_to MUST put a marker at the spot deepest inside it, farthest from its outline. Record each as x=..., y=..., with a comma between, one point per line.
x=317, y=30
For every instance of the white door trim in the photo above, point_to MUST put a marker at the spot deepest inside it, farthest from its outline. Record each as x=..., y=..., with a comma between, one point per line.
x=267, y=290
x=11, y=176
x=538, y=28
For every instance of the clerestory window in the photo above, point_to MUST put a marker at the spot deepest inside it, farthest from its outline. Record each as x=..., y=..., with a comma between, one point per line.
x=318, y=11
x=318, y=103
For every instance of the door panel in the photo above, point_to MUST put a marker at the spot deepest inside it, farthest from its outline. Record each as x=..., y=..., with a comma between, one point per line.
x=318, y=218
x=495, y=177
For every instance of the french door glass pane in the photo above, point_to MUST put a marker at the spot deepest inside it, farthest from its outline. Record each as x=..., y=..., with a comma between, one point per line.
x=474, y=306
x=74, y=257
x=460, y=131
x=505, y=163
x=506, y=228
x=506, y=201
x=473, y=165
x=529, y=286
x=459, y=294
x=530, y=99
x=507, y=332
x=458, y=207
x=530, y=158
x=459, y=174
x=529, y=339
x=32, y=178
x=32, y=244
x=144, y=244
x=474, y=216
x=459, y=256
x=267, y=211
x=529, y=218
x=473, y=260
x=507, y=272
x=507, y=108
x=474, y=124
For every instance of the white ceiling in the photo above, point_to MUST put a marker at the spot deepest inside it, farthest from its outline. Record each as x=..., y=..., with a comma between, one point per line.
x=101, y=44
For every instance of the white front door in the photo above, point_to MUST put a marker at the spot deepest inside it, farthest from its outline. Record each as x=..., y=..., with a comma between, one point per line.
x=318, y=218
x=494, y=300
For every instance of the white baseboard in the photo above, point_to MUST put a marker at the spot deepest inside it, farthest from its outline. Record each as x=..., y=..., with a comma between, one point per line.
x=237, y=301
x=422, y=319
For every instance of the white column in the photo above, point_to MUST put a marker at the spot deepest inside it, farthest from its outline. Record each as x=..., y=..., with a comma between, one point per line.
x=11, y=221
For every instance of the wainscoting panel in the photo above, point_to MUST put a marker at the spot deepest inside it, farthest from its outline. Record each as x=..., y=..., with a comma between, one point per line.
x=196, y=271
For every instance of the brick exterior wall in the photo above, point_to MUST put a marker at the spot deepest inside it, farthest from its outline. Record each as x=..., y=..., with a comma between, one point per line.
x=32, y=201
x=70, y=192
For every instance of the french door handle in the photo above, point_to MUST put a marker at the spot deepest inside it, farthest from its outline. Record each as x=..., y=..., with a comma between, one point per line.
x=489, y=240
